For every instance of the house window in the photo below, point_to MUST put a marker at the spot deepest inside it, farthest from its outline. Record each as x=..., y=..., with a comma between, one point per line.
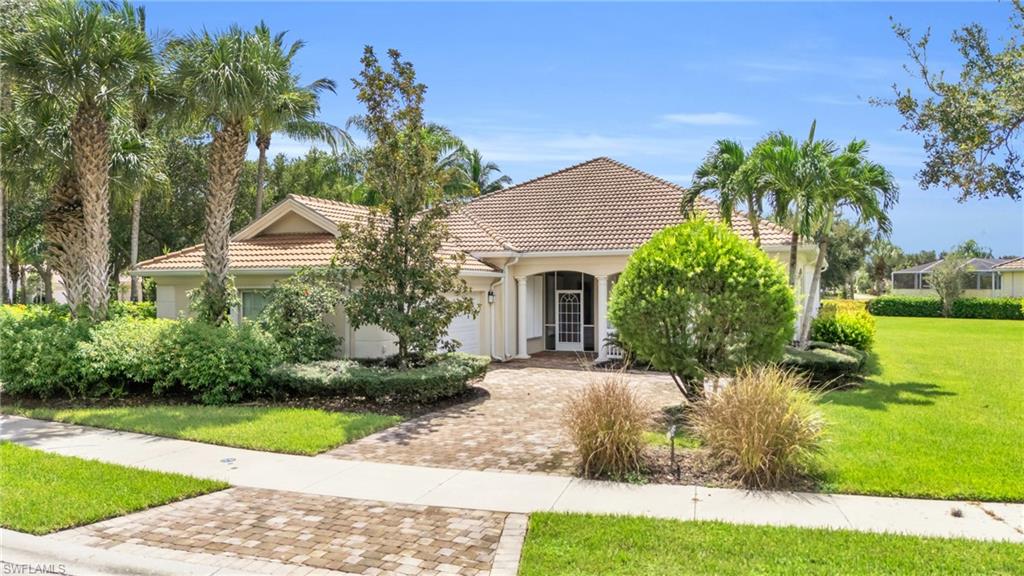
x=984, y=280
x=253, y=303
x=997, y=280
x=904, y=281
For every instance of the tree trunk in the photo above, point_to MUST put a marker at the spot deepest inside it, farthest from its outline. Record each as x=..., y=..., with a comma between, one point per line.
x=262, y=143
x=755, y=226
x=64, y=230
x=46, y=276
x=794, y=244
x=805, y=318
x=3, y=247
x=227, y=155
x=15, y=277
x=136, y=289
x=23, y=277
x=90, y=148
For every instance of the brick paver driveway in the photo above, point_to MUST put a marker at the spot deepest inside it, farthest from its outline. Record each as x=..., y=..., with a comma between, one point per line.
x=517, y=428
x=273, y=532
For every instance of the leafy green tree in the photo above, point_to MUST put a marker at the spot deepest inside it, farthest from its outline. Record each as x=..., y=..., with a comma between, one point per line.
x=735, y=176
x=949, y=278
x=296, y=311
x=410, y=287
x=971, y=249
x=882, y=258
x=697, y=299
x=96, y=53
x=226, y=79
x=971, y=124
x=847, y=252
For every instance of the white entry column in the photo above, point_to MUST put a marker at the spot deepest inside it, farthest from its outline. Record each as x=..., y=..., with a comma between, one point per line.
x=602, y=318
x=521, y=316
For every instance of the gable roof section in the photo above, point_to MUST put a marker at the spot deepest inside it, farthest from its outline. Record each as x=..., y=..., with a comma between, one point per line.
x=1012, y=264
x=597, y=205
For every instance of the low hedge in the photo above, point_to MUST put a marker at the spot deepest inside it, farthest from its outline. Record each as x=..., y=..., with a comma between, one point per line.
x=446, y=376
x=853, y=328
x=826, y=364
x=926, y=307
x=841, y=305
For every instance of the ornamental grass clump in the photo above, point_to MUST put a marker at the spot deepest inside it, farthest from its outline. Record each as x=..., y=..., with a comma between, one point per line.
x=606, y=425
x=764, y=425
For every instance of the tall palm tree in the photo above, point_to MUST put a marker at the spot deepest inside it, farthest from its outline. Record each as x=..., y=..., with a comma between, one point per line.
x=86, y=55
x=735, y=176
x=294, y=114
x=227, y=79
x=481, y=174
x=855, y=185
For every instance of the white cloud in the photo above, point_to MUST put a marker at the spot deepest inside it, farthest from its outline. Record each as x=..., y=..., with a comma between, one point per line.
x=708, y=119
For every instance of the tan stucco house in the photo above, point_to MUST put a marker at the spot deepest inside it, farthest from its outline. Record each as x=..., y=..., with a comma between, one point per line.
x=988, y=278
x=542, y=257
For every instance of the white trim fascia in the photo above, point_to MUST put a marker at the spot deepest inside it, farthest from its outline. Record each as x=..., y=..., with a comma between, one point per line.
x=553, y=254
x=481, y=274
x=256, y=271
x=786, y=247
x=287, y=205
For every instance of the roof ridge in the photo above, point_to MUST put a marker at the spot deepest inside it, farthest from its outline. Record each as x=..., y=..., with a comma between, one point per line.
x=536, y=178
x=162, y=257
x=498, y=238
x=301, y=197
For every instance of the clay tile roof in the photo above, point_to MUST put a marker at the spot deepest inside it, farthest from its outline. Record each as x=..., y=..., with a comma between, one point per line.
x=1015, y=264
x=262, y=252
x=600, y=204
x=334, y=211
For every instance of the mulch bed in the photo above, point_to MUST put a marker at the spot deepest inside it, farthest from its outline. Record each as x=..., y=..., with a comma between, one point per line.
x=694, y=465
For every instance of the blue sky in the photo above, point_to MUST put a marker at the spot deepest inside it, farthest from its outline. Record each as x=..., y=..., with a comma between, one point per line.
x=537, y=87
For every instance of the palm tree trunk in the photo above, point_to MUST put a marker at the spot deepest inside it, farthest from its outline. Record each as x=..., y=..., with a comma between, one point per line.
x=755, y=227
x=64, y=230
x=15, y=277
x=46, y=276
x=136, y=289
x=227, y=155
x=805, y=318
x=794, y=244
x=90, y=147
x=261, y=168
x=3, y=248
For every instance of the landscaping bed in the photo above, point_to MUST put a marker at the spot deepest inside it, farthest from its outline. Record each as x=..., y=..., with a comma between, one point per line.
x=42, y=492
x=564, y=544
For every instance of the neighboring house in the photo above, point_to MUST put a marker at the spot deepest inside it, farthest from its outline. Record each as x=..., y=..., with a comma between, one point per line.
x=990, y=278
x=541, y=257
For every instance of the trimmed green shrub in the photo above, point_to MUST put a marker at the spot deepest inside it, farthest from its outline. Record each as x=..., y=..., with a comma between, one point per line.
x=855, y=329
x=698, y=299
x=39, y=355
x=926, y=307
x=838, y=305
x=992, y=308
x=825, y=364
x=136, y=310
x=296, y=312
x=121, y=352
x=447, y=376
x=217, y=364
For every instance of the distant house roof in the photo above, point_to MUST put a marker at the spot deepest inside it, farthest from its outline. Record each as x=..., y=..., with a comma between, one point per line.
x=978, y=264
x=597, y=205
x=1012, y=264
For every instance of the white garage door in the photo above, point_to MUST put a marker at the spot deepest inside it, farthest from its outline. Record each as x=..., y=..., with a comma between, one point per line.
x=466, y=330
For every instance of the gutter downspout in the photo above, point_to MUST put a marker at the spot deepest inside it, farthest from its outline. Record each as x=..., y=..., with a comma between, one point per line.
x=491, y=306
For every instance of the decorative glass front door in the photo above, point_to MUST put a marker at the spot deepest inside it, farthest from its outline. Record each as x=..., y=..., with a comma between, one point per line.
x=569, y=333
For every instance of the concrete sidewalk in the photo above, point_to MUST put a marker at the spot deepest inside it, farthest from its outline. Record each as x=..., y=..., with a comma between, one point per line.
x=519, y=493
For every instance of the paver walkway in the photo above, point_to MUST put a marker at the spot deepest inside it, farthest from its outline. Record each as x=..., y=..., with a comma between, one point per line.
x=518, y=427
x=267, y=531
x=519, y=493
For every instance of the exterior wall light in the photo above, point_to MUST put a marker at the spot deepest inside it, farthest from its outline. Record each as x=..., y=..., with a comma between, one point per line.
x=490, y=296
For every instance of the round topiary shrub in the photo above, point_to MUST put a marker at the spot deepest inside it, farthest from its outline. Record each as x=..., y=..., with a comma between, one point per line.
x=698, y=299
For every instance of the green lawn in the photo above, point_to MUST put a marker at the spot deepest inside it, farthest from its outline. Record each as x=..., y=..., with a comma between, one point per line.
x=42, y=492
x=564, y=544
x=290, y=430
x=942, y=418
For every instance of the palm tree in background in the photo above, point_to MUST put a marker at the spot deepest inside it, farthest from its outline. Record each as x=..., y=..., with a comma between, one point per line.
x=85, y=55
x=481, y=174
x=294, y=113
x=735, y=176
x=227, y=79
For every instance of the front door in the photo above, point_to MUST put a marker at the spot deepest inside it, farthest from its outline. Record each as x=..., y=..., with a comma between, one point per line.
x=569, y=324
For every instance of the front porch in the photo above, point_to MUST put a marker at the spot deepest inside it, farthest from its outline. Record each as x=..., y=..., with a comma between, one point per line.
x=564, y=311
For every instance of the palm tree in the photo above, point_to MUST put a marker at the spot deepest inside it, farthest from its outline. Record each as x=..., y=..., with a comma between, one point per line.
x=480, y=173
x=735, y=176
x=852, y=184
x=86, y=55
x=227, y=79
x=294, y=114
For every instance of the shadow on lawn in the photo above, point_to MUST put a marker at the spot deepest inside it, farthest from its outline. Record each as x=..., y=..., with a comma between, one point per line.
x=874, y=395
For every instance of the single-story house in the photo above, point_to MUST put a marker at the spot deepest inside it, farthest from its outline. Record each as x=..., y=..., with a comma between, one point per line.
x=542, y=257
x=989, y=278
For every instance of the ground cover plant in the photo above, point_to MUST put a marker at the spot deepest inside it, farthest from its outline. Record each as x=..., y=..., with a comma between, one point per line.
x=563, y=544
x=273, y=429
x=42, y=492
x=940, y=419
